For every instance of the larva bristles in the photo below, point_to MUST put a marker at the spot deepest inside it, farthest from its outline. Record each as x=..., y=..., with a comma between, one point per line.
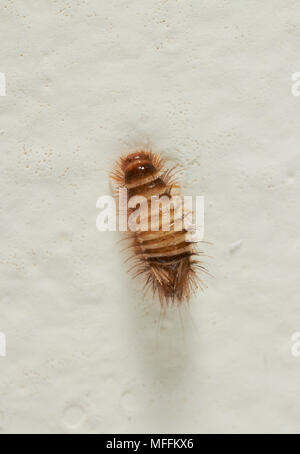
x=167, y=260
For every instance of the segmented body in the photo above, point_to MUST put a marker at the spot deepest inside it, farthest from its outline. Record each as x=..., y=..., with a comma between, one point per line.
x=166, y=258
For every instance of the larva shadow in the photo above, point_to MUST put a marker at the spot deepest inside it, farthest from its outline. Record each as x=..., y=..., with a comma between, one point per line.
x=162, y=342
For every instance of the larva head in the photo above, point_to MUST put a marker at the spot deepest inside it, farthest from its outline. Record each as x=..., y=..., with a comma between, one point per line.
x=140, y=166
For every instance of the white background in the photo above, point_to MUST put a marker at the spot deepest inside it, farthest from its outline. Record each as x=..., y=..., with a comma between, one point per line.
x=208, y=85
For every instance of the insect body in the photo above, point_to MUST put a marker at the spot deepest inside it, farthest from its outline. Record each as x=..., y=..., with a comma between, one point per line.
x=166, y=258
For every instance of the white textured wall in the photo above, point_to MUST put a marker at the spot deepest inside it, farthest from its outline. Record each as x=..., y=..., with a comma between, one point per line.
x=207, y=83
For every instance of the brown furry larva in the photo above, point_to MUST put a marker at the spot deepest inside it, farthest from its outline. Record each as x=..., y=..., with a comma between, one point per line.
x=168, y=261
